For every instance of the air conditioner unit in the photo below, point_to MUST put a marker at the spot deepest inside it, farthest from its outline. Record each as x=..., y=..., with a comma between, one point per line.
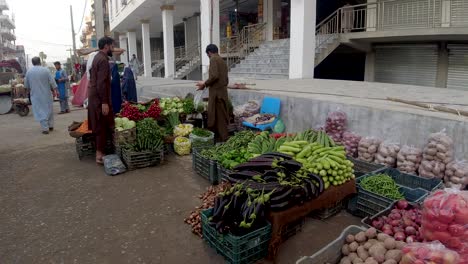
x=123, y=2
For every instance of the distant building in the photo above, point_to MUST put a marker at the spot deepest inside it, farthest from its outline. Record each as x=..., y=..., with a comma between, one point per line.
x=88, y=34
x=7, y=34
x=21, y=57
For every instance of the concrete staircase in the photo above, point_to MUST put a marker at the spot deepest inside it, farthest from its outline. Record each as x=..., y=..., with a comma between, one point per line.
x=271, y=59
x=190, y=66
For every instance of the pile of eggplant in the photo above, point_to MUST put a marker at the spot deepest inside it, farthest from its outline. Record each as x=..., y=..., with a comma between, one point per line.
x=272, y=181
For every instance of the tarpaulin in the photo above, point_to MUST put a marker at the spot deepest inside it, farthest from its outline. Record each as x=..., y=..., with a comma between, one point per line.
x=82, y=92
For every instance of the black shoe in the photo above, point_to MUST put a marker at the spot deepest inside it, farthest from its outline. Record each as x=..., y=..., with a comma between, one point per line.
x=45, y=132
x=51, y=129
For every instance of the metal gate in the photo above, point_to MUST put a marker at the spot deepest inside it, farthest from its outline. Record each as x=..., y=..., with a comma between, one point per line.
x=458, y=67
x=406, y=64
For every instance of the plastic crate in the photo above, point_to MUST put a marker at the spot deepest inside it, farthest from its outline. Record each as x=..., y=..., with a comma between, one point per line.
x=292, y=229
x=331, y=253
x=364, y=167
x=205, y=167
x=244, y=249
x=222, y=172
x=86, y=146
x=326, y=213
x=136, y=160
x=411, y=181
x=125, y=137
x=370, y=203
x=367, y=221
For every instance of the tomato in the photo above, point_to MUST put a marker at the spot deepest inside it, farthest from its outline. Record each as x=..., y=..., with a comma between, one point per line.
x=454, y=243
x=456, y=230
x=441, y=236
x=461, y=217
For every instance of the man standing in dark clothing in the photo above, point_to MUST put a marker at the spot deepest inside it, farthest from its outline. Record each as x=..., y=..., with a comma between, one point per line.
x=100, y=114
x=218, y=115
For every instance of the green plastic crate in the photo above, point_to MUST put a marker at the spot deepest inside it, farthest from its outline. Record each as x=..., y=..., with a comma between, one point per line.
x=205, y=167
x=244, y=249
x=363, y=167
x=411, y=181
x=223, y=172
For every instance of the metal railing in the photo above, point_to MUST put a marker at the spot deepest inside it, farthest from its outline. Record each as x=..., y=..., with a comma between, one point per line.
x=390, y=15
x=187, y=55
x=240, y=46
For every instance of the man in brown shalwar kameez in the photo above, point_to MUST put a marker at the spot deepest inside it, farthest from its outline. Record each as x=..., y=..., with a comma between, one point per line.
x=100, y=115
x=218, y=116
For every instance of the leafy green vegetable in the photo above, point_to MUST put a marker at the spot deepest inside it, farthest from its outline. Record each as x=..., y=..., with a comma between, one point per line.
x=200, y=132
x=149, y=136
x=239, y=140
x=188, y=106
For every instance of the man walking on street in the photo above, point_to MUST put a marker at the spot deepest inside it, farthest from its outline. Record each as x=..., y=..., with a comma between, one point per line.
x=100, y=115
x=41, y=85
x=61, y=78
x=218, y=116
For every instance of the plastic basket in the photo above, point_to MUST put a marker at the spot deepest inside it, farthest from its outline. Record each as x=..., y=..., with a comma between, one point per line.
x=411, y=181
x=222, y=172
x=205, y=167
x=326, y=213
x=367, y=221
x=237, y=249
x=292, y=229
x=363, y=167
x=86, y=146
x=331, y=253
x=370, y=203
x=136, y=160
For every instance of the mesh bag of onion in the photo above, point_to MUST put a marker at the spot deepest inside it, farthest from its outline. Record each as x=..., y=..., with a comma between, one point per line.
x=336, y=124
x=445, y=218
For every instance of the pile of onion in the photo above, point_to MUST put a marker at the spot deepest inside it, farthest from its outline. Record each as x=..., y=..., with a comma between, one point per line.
x=403, y=222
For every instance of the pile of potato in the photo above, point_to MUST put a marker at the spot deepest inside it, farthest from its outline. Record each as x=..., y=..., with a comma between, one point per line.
x=371, y=248
x=456, y=174
x=387, y=154
x=436, y=155
x=367, y=148
x=408, y=159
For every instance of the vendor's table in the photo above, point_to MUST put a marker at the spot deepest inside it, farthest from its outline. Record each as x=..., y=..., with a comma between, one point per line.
x=279, y=220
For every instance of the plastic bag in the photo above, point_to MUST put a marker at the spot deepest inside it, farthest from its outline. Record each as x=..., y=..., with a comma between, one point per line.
x=445, y=218
x=408, y=159
x=183, y=130
x=387, y=154
x=425, y=253
x=182, y=146
x=246, y=110
x=351, y=143
x=113, y=165
x=437, y=153
x=336, y=124
x=198, y=100
x=279, y=126
x=198, y=142
x=367, y=148
x=456, y=174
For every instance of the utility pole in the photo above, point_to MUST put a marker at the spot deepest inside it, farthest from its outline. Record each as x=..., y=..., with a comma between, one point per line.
x=73, y=35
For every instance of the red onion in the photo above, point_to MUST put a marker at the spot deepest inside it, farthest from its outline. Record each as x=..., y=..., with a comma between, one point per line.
x=377, y=223
x=402, y=204
x=400, y=236
x=409, y=230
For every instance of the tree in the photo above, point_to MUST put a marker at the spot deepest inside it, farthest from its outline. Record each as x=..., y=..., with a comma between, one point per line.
x=43, y=57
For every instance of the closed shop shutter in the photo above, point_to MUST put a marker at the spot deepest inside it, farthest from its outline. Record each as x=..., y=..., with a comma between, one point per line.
x=406, y=64
x=459, y=13
x=458, y=67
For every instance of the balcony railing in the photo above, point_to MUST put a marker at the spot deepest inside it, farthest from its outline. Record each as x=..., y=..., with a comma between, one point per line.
x=6, y=19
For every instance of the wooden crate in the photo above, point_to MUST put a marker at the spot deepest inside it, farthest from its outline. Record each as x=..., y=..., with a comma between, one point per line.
x=135, y=160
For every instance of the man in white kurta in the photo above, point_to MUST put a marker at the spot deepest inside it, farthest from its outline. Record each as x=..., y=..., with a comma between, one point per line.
x=41, y=84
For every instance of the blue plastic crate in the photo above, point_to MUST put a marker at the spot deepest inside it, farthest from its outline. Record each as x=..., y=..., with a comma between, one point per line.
x=409, y=180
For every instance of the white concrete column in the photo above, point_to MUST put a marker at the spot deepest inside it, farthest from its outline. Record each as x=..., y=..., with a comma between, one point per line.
x=123, y=45
x=209, y=24
x=302, y=42
x=99, y=18
x=268, y=18
x=145, y=39
x=168, y=39
x=369, y=72
x=132, y=44
x=371, y=16
x=446, y=13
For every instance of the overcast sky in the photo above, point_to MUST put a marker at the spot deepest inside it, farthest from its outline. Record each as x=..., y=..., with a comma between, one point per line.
x=44, y=25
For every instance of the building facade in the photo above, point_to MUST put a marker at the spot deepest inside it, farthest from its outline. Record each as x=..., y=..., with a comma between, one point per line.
x=420, y=42
x=7, y=33
x=88, y=36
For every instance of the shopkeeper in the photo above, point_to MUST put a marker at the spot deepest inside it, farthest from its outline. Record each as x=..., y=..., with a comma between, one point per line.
x=218, y=114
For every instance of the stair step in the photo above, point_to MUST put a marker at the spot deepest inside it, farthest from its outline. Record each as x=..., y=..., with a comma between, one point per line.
x=257, y=64
x=267, y=61
x=262, y=70
x=270, y=57
x=258, y=76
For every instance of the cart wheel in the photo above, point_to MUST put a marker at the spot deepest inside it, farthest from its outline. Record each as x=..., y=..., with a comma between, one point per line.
x=22, y=110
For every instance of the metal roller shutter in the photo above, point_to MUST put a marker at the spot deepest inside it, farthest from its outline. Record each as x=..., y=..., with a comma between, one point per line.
x=406, y=64
x=458, y=67
x=459, y=13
